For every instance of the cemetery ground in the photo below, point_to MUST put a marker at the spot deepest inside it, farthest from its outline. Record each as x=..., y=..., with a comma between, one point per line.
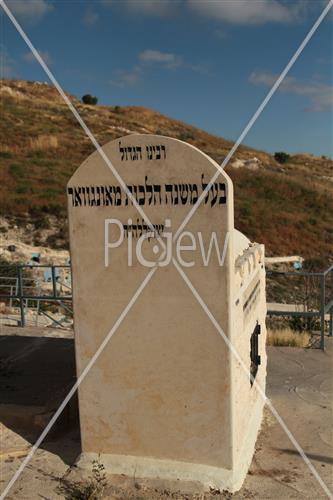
x=37, y=370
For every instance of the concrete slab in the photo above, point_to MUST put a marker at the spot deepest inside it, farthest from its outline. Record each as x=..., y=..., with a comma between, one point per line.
x=300, y=387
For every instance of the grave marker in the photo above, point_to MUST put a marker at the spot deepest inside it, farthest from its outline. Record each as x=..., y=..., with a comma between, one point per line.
x=166, y=398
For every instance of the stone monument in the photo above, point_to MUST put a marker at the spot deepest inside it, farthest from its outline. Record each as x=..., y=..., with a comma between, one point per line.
x=166, y=398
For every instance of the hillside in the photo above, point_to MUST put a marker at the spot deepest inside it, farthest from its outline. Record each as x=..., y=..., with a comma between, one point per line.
x=288, y=208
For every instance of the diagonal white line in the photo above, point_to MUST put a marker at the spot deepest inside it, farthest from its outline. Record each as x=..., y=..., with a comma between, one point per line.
x=254, y=118
x=121, y=182
x=77, y=384
x=79, y=119
x=254, y=381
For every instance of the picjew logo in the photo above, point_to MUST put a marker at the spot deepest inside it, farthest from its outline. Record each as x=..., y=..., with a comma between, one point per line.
x=154, y=246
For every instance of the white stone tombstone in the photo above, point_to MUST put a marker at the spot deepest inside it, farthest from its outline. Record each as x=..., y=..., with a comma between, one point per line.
x=166, y=398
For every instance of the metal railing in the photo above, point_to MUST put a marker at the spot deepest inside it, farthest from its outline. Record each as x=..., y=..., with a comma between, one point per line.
x=24, y=288
x=325, y=308
x=42, y=283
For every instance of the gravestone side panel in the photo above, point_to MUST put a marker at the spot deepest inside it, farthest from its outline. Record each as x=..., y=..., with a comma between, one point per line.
x=248, y=337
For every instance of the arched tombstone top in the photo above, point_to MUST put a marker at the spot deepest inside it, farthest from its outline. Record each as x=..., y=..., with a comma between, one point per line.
x=147, y=150
x=166, y=177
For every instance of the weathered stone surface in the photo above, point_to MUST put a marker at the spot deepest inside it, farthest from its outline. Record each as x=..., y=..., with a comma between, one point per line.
x=166, y=398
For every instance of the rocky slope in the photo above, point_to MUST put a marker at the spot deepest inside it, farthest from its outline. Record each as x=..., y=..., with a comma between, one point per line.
x=288, y=207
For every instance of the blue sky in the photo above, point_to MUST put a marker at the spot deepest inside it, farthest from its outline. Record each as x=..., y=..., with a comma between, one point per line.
x=208, y=63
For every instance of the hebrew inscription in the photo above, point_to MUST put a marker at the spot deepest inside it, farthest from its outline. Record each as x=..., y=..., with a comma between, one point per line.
x=148, y=193
x=141, y=228
x=135, y=152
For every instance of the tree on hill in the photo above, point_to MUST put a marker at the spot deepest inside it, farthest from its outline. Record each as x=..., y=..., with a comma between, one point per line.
x=89, y=99
x=281, y=157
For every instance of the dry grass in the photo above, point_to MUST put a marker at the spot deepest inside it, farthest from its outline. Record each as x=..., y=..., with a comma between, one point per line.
x=7, y=151
x=44, y=142
x=288, y=209
x=287, y=337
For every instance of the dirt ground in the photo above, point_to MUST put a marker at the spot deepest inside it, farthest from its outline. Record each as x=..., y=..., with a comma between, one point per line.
x=36, y=370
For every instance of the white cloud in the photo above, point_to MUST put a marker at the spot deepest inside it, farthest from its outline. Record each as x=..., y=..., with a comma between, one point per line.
x=169, y=61
x=148, y=7
x=164, y=58
x=151, y=58
x=319, y=94
x=90, y=17
x=125, y=78
x=30, y=58
x=250, y=12
x=151, y=7
x=29, y=10
x=242, y=12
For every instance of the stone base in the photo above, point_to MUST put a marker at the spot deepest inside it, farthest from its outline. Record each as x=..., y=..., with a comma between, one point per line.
x=183, y=476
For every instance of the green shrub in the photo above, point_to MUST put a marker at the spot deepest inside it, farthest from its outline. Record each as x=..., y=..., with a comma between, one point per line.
x=36, y=154
x=22, y=189
x=50, y=193
x=6, y=154
x=20, y=201
x=245, y=211
x=93, y=488
x=42, y=222
x=53, y=208
x=15, y=170
x=34, y=211
x=8, y=269
x=281, y=157
x=39, y=219
x=186, y=135
x=89, y=99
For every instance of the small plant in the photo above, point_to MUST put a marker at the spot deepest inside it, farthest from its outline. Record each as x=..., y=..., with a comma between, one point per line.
x=186, y=135
x=24, y=188
x=245, y=210
x=89, y=99
x=39, y=219
x=16, y=171
x=117, y=109
x=53, y=209
x=59, y=240
x=92, y=489
x=281, y=157
x=38, y=241
x=51, y=192
x=5, y=154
